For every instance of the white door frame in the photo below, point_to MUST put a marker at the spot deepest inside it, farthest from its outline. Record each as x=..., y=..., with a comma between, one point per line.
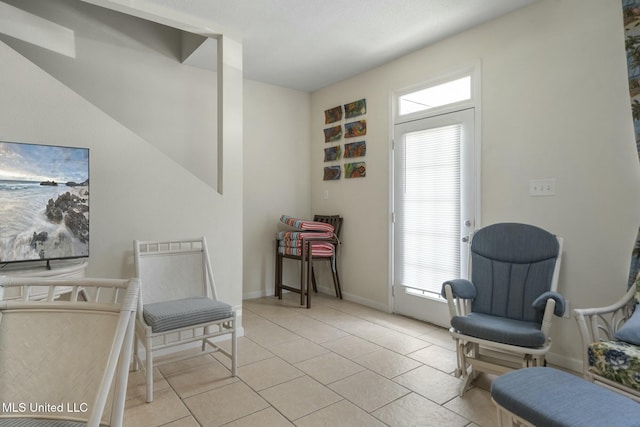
x=440, y=309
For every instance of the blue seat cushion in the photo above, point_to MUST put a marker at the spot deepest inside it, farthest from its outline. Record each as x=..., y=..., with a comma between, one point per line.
x=552, y=398
x=630, y=331
x=500, y=329
x=168, y=315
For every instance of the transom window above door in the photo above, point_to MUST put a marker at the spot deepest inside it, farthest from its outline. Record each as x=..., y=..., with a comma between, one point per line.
x=440, y=94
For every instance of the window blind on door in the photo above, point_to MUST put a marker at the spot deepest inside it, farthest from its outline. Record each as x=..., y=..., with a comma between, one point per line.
x=427, y=211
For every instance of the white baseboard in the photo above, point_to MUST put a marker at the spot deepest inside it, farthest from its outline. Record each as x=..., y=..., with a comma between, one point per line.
x=327, y=291
x=565, y=362
x=354, y=298
x=257, y=294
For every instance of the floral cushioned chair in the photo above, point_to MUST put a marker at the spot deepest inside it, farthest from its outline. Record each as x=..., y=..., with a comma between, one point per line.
x=611, y=343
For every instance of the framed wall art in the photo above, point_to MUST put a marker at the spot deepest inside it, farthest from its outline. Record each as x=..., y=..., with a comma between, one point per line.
x=331, y=173
x=332, y=153
x=333, y=133
x=333, y=115
x=356, y=108
x=345, y=121
x=355, y=170
x=354, y=129
x=355, y=149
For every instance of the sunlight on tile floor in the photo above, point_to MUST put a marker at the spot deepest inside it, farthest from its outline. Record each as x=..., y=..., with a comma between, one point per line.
x=336, y=364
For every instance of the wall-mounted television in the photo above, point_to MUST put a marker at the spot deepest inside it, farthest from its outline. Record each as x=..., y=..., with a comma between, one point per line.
x=44, y=202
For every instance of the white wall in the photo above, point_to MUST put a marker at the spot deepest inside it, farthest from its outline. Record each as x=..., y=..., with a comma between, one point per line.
x=137, y=191
x=130, y=68
x=555, y=104
x=276, y=177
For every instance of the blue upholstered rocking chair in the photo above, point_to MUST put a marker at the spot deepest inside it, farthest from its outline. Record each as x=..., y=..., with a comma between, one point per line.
x=501, y=317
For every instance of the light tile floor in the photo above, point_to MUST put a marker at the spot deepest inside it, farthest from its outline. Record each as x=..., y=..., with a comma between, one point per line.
x=336, y=364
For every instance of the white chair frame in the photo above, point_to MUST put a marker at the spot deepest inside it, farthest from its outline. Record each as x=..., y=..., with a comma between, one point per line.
x=507, y=418
x=72, y=347
x=161, y=287
x=601, y=324
x=476, y=355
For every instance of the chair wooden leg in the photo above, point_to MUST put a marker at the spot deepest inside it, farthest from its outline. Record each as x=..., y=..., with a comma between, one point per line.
x=336, y=279
x=302, y=276
x=309, y=277
x=278, y=274
x=313, y=280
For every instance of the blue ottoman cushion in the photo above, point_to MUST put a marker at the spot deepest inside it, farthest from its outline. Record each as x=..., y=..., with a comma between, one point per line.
x=547, y=397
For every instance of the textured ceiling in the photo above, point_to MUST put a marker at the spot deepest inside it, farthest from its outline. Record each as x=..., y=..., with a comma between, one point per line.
x=309, y=44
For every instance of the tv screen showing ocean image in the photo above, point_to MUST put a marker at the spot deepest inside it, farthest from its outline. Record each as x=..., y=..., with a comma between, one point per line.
x=44, y=202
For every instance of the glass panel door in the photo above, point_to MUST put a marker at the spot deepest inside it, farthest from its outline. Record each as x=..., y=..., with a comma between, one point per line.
x=434, y=209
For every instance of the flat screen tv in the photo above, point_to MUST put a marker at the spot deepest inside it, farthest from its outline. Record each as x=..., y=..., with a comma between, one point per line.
x=44, y=202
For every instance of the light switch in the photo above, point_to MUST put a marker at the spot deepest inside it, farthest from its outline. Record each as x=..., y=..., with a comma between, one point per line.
x=325, y=195
x=542, y=187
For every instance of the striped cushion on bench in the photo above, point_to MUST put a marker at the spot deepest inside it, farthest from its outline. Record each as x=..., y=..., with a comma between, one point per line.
x=319, y=249
x=299, y=235
x=175, y=314
x=303, y=224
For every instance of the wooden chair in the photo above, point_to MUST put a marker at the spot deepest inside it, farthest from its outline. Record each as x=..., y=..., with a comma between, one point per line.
x=336, y=222
x=65, y=361
x=313, y=248
x=179, y=304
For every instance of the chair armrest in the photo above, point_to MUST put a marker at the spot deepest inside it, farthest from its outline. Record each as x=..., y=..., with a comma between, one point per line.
x=601, y=323
x=460, y=288
x=540, y=303
x=549, y=304
x=459, y=293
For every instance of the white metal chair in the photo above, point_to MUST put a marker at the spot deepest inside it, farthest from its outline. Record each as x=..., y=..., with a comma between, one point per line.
x=178, y=304
x=610, y=356
x=501, y=317
x=65, y=361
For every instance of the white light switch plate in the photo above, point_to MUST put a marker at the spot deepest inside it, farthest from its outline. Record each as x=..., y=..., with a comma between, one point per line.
x=542, y=187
